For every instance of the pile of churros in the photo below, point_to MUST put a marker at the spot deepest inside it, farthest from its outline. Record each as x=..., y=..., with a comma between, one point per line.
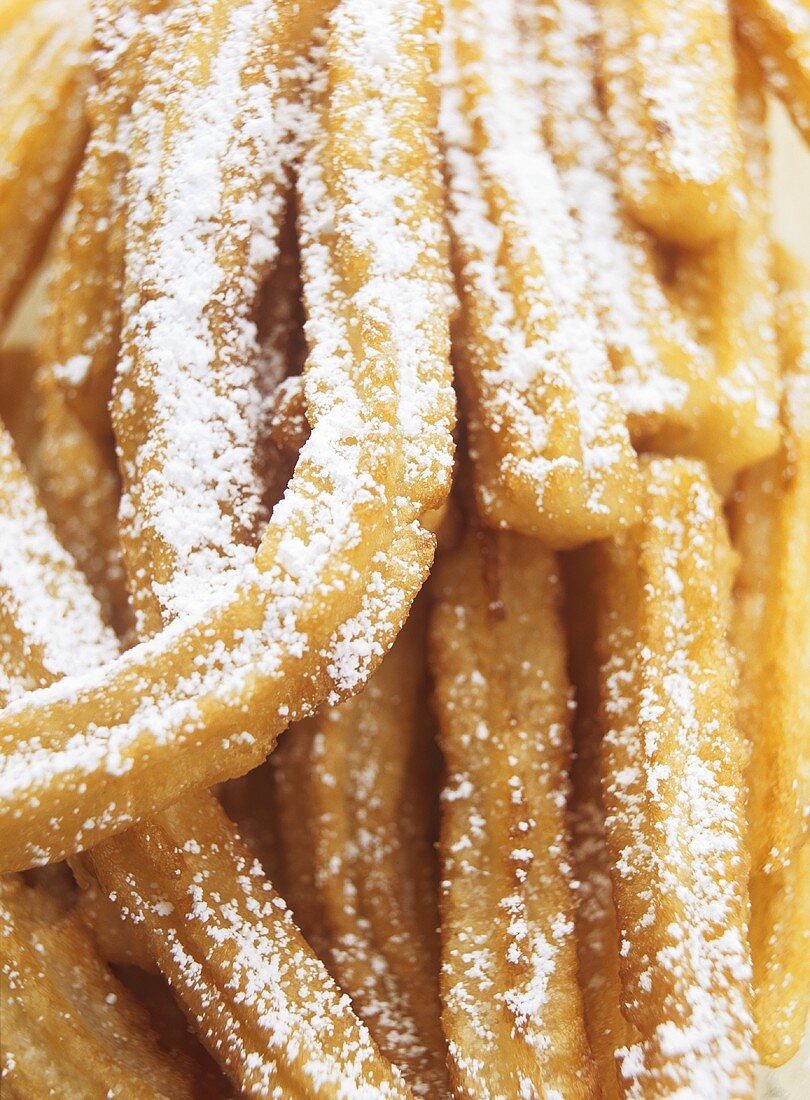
x=404, y=550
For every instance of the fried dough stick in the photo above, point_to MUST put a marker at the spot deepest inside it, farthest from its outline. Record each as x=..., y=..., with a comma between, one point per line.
x=358, y=777
x=728, y=289
x=262, y=1002
x=221, y=915
x=667, y=68
x=673, y=762
x=550, y=448
x=511, y=1005
x=770, y=518
x=665, y=378
x=77, y=472
x=778, y=31
x=284, y=634
x=43, y=83
x=596, y=929
x=69, y=1027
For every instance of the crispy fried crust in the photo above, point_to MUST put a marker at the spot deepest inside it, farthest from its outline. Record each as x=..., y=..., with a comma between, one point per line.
x=549, y=442
x=664, y=376
x=728, y=289
x=779, y=33
x=43, y=84
x=512, y=1010
x=360, y=769
x=260, y=1000
x=667, y=68
x=69, y=1027
x=380, y=453
x=672, y=777
x=597, y=931
x=770, y=520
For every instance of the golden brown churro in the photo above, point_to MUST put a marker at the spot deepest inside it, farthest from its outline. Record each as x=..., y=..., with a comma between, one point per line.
x=668, y=75
x=673, y=763
x=43, y=83
x=550, y=448
x=512, y=1009
x=379, y=455
x=770, y=522
x=360, y=770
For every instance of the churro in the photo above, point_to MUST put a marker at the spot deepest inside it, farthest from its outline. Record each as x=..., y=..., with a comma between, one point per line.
x=511, y=1006
x=672, y=780
x=729, y=291
x=664, y=376
x=779, y=33
x=360, y=768
x=770, y=523
x=315, y=611
x=667, y=69
x=69, y=1027
x=549, y=443
x=43, y=62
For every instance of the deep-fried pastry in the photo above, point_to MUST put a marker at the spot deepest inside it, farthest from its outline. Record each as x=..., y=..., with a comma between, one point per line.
x=263, y=1003
x=672, y=761
x=665, y=378
x=77, y=474
x=779, y=33
x=511, y=1005
x=43, y=83
x=728, y=289
x=770, y=521
x=550, y=449
x=667, y=69
x=595, y=919
x=223, y=886
x=360, y=771
x=316, y=611
x=69, y=1027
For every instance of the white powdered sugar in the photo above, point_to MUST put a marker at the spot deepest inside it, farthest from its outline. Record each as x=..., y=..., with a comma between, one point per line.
x=543, y=356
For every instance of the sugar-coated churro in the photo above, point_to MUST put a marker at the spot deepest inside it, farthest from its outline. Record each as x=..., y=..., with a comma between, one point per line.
x=672, y=767
x=360, y=768
x=667, y=69
x=550, y=447
x=664, y=376
x=511, y=1006
x=770, y=523
x=318, y=608
x=43, y=62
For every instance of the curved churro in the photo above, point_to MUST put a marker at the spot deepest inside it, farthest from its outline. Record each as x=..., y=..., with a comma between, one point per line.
x=664, y=377
x=597, y=931
x=240, y=920
x=778, y=31
x=69, y=1027
x=728, y=289
x=512, y=1009
x=672, y=781
x=550, y=449
x=770, y=518
x=43, y=84
x=360, y=771
x=319, y=606
x=261, y=1001
x=667, y=70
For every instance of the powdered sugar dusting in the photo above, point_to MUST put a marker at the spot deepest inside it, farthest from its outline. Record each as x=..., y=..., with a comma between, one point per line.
x=530, y=343
x=674, y=811
x=660, y=365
